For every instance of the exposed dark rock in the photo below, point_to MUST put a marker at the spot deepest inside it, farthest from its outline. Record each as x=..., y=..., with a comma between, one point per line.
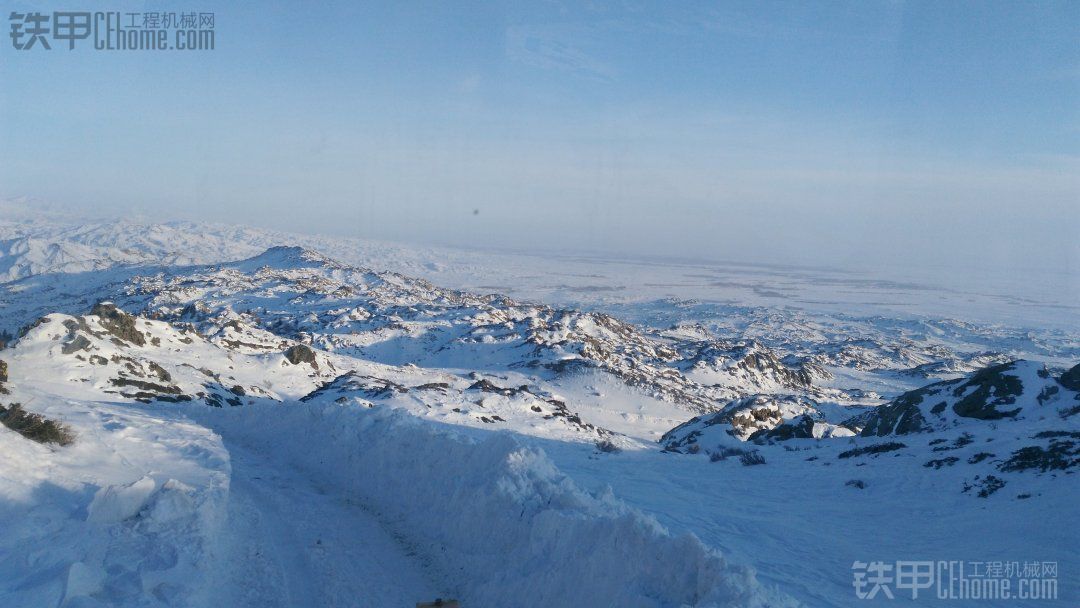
x=214, y=399
x=900, y=417
x=159, y=372
x=432, y=386
x=488, y=386
x=1057, y=434
x=1071, y=379
x=79, y=342
x=993, y=388
x=301, y=354
x=1047, y=393
x=984, y=395
x=986, y=486
x=801, y=427
x=607, y=447
x=959, y=442
x=167, y=389
x=369, y=387
x=566, y=367
x=1060, y=455
x=879, y=448
x=118, y=323
x=748, y=417
x=942, y=462
x=752, y=359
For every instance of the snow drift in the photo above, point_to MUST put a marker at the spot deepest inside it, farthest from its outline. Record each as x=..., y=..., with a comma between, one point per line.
x=128, y=515
x=503, y=524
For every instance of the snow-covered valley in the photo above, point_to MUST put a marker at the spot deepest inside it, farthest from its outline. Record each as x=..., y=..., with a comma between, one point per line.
x=260, y=419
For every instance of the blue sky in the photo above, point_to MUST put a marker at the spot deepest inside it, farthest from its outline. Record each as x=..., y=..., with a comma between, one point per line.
x=942, y=134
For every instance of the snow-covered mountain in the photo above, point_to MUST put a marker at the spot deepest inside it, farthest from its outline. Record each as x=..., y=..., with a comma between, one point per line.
x=301, y=295
x=1014, y=417
x=661, y=452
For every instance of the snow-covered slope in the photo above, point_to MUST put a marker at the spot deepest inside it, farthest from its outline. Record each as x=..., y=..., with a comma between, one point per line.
x=1017, y=417
x=299, y=295
x=664, y=452
x=1015, y=392
x=129, y=514
x=447, y=491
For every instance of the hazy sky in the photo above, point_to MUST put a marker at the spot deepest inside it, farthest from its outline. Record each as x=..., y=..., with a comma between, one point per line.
x=941, y=134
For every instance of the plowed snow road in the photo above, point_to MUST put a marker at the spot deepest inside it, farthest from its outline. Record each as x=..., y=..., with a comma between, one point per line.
x=291, y=543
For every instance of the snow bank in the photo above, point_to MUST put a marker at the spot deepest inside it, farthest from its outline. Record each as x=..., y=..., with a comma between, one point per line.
x=506, y=526
x=128, y=515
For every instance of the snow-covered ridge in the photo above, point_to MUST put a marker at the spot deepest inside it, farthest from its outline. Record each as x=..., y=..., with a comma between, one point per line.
x=109, y=354
x=300, y=295
x=1004, y=423
x=1010, y=392
x=900, y=349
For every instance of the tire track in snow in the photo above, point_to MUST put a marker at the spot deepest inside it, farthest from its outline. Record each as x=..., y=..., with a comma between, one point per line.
x=291, y=543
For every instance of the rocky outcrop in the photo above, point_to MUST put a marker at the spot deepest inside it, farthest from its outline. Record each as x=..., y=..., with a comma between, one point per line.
x=353, y=384
x=988, y=394
x=805, y=426
x=750, y=365
x=900, y=417
x=301, y=354
x=1061, y=452
x=742, y=419
x=997, y=393
x=118, y=323
x=1071, y=379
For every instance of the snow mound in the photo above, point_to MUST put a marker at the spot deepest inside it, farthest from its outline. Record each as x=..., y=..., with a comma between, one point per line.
x=117, y=503
x=499, y=515
x=128, y=515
